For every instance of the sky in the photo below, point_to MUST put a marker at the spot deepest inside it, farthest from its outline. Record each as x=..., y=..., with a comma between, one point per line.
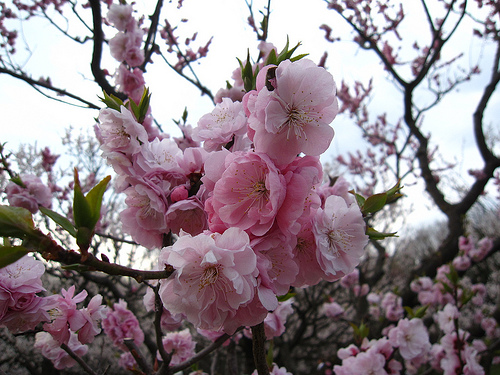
x=28, y=117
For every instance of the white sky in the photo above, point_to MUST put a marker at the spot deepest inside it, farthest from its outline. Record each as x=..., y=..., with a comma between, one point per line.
x=27, y=117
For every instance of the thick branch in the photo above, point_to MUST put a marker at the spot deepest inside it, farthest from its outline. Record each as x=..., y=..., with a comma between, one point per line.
x=95, y=65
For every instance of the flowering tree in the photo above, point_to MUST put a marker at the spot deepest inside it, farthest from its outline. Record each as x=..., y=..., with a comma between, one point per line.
x=242, y=228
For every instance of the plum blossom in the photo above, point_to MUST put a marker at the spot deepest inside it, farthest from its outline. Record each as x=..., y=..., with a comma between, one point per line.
x=218, y=128
x=214, y=275
x=276, y=371
x=411, y=338
x=121, y=323
x=332, y=309
x=67, y=316
x=180, y=345
x=21, y=309
x=119, y=131
x=291, y=113
x=34, y=193
x=187, y=215
x=120, y=16
x=274, y=323
x=144, y=219
x=446, y=318
x=339, y=230
x=393, y=306
x=248, y=194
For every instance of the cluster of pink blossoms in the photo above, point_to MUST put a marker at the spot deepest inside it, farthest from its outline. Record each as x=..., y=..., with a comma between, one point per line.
x=33, y=194
x=250, y=209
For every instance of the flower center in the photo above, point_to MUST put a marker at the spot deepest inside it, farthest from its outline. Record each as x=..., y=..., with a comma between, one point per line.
x=210, y=275
x=338, y=240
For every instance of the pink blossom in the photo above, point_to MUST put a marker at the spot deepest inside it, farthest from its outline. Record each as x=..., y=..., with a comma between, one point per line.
x=127, y=361
x=276, y=371
x=332, y=310
x=20, y=308
x=393, y=307
x=461, y=262
x=214, y=276
x=119, y=131
x=446, y=318
x=277, y=270
x=180, y=345
x=159, y=155
x=121, y=323
x=125, y=47
x=294, y=116
x=168, y=321
x=144, y=219
x=351, y=279
x=249, y=193
x=51, y=349
x=351, y=351
x=93, y=314
x=35, y=193
x=216, y=129
x=120, y=16
x=68, y=317
x=179, y=193
x=187, y=215
x=411, y=338
x=340, y=237
x=301, y=176
x=130, y=82
x=274, y=323
x=369, y=362
x=310, y=272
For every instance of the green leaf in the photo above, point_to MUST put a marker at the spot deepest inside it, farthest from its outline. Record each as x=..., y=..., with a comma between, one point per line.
x=82, y=213
x=94, y=199
x=376, y=235
x=409, y=311
x=453, y=276
x=112, y=101
x=10, y=254
x=286, y=297
x=421, y=311
x=394, y=194
x=60, y=220
x=360, y=200
x=374, y=203
x=15, y=222
x=272, y=59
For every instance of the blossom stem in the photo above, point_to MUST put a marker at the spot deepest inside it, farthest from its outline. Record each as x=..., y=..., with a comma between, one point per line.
x=259, y=349
x=80, y=361
x=136, y=353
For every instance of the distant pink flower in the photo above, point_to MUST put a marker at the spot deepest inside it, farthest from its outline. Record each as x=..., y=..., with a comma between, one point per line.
x=340, y=237
x=332, y=310
x=51, y=349
x=446, y=318
x=249, y=193
x=369, y=362
x=292, y=115
x=276, y=371
x=461, y=262
x=274, y=323
x=216, y=129
x=393, y=306
x=214, y=275
x=411, y=338
x=121, y=323
x=130, y=82
x=180, y=345
x=35, y=193
x=120, y=16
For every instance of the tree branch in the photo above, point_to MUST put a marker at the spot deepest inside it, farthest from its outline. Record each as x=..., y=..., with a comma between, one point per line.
x=95, y=65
